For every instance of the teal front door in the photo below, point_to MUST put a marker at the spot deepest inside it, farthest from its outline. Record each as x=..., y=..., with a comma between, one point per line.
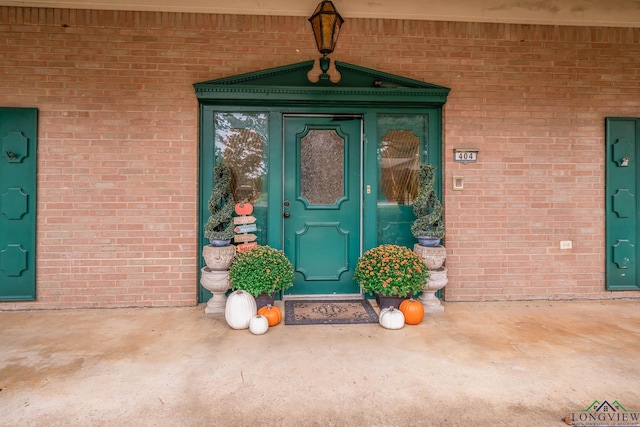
x=321, y=209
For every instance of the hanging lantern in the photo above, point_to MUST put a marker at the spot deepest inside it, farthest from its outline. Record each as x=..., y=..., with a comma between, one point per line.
x=326, y=23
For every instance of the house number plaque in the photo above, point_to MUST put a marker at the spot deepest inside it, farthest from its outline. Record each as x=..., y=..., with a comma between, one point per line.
x=465, y=155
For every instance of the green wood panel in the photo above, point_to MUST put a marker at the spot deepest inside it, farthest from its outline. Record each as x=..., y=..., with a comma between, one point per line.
x=18, y=164
x=622, y=257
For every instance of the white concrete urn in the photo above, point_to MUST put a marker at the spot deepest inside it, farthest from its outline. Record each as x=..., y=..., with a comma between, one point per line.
x=216, y=282
x=436, y=281
x=218, y=258
x=433, y=256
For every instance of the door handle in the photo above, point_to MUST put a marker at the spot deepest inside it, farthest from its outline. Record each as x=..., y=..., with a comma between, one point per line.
x=286, y=214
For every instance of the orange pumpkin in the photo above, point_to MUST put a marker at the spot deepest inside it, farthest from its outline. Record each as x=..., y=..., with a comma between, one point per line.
x=273, y=314
x=413, y=311
x=244, y=208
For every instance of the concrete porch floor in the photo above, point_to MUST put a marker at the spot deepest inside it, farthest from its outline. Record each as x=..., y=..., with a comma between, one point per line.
x=477, y=364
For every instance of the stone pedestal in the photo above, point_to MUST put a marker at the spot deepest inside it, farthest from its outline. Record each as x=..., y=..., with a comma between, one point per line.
x=433, y=256
x=436, y=281
x=216, y=282
x=218, y=258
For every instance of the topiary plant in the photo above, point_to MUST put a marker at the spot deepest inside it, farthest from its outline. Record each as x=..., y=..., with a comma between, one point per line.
x=427, y=207
x=220, y=225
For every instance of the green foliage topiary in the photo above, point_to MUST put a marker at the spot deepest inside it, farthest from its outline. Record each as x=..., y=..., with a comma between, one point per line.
x=427, y=207
x=220, y=225
x=261, y=270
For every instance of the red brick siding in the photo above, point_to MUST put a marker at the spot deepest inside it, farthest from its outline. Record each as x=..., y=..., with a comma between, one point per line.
x=118, y=142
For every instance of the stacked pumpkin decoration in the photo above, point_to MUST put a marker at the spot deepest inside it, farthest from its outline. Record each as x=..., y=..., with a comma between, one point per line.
x=413, y=311
x=240, y=313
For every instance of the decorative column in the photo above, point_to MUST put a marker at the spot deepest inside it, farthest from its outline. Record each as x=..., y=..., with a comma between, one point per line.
x=434, y=258
x=215, y=276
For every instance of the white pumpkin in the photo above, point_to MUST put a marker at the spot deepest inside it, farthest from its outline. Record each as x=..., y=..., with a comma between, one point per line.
x=391, y=318
x=259, y=324
x=240, y=308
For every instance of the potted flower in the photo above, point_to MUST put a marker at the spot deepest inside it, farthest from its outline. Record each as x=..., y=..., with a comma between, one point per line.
x=391, y=271
x=427, y=227
x=219, y=226
x=261, y=271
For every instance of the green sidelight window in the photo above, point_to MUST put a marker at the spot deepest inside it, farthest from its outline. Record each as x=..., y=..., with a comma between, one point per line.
x=241, y=142
x=401, y=147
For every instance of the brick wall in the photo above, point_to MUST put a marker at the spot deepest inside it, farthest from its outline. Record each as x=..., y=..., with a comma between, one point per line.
x=118, y=142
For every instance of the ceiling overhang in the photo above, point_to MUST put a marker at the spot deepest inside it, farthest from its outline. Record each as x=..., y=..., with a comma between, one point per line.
x=612, y=13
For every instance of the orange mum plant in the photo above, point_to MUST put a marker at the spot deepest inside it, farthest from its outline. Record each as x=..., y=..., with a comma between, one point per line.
x=391, y=270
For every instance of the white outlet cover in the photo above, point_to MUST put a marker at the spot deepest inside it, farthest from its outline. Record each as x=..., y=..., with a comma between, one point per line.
x=566, y=244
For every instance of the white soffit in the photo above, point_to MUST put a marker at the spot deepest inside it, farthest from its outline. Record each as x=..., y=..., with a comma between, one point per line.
x=617, y=13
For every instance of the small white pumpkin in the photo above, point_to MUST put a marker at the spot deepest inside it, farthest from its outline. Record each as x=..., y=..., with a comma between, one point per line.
x=259, y=324
x=391, y=318
x=240, y=308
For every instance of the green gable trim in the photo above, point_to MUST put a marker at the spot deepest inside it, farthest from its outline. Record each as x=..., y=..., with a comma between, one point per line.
x=290, y=85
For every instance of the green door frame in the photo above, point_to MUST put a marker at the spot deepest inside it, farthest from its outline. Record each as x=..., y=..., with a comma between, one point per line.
x=286, y=90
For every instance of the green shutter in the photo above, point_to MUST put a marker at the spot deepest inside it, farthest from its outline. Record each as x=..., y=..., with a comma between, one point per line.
x=18, y=144
x=622, y=143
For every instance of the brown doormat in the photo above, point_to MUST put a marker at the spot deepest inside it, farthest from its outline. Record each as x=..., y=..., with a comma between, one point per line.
x=329, y=312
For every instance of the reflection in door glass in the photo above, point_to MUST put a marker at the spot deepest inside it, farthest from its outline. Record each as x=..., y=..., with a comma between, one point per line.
x=322, y=167
x=241, y=142
x=400, y=158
